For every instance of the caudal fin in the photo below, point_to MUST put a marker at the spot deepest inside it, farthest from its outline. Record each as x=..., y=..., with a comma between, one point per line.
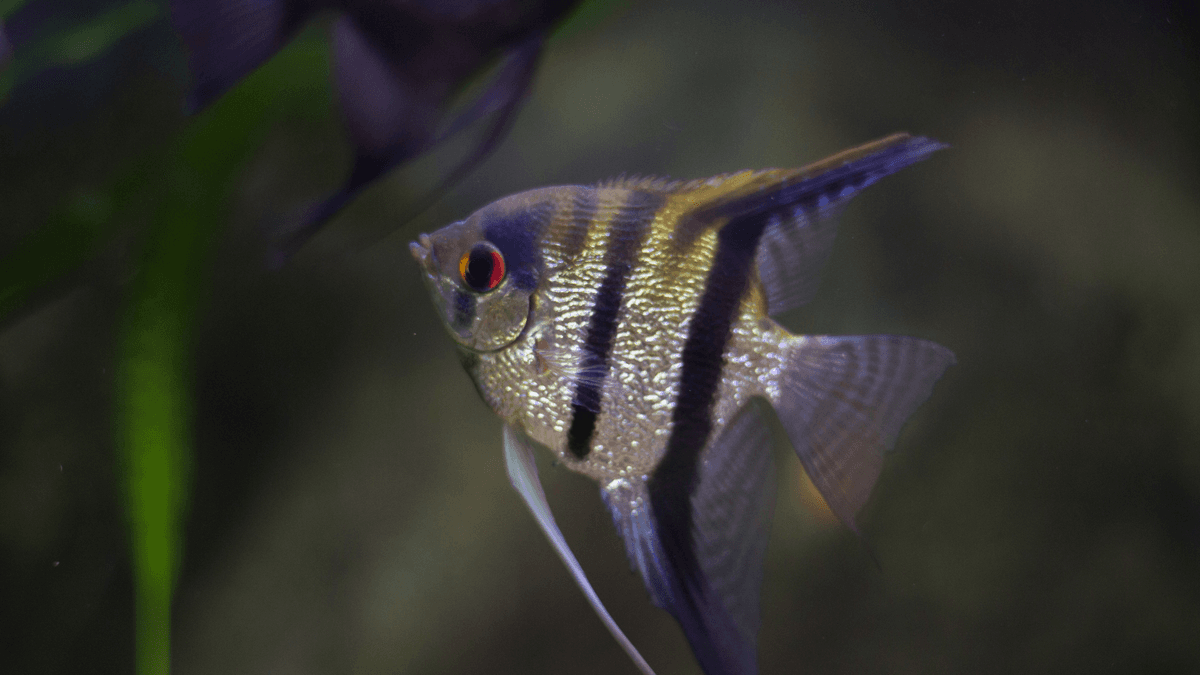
x=843, y=400
x=227, y=39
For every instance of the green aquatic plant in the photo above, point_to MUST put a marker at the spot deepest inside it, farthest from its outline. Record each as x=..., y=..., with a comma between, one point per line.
x=169, y=201
x=155, y=358
x=186, y=186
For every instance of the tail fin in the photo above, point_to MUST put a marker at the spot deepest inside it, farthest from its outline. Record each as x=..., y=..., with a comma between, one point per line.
x=226, y=39
x=843, y=400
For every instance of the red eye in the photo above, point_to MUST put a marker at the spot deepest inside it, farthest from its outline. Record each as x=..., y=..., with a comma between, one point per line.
x=482, y=268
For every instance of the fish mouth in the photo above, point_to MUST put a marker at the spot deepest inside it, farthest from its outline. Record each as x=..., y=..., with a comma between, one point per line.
x=421, y=250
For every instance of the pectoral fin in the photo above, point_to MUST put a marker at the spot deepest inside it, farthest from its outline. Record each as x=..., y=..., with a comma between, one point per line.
x=522, y=472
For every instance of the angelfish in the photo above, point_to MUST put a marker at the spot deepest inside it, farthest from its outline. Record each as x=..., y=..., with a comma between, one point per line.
x=626, y=326
x=396, y=65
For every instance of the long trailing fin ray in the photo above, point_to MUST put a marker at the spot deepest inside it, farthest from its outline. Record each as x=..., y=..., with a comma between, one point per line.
x=798, y=206
x=717, y=606
x=522, y=473
x=843, y=401
x=816, y=185
x=227, y=39
x=799, y=239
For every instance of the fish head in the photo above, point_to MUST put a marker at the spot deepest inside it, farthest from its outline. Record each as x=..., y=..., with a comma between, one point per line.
x=483, y=271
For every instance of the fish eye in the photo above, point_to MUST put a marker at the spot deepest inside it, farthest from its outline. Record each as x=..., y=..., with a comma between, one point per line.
x=482, y=268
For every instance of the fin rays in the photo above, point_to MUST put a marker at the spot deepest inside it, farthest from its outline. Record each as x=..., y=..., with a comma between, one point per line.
x=396, y=68
x=522, y=472
x=843, y=401
x=799, y=207
x=716, y=600
x=695, y=527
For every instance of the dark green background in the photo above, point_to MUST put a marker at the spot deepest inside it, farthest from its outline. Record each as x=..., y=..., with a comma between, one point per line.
x=349, y=509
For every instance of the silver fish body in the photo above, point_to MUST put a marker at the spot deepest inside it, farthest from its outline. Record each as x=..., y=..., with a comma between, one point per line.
x=627, y=327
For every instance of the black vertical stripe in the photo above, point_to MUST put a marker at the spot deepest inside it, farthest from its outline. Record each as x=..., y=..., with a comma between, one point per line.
x=703, y=357
x=626, y=232
x=464, y=310
x=583, y=214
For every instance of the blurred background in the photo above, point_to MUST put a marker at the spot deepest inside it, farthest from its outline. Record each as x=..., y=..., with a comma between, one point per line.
x=347, y=508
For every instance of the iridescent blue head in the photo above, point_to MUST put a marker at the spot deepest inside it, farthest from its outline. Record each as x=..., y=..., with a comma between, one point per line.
x=483, y=271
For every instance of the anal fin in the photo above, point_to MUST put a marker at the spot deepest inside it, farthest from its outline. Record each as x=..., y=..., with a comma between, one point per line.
x=710, y=577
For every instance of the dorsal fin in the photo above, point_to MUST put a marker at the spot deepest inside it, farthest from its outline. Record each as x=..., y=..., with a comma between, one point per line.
x=668, y=185
x=661, y=184
x=798, y=207
x=743, y=193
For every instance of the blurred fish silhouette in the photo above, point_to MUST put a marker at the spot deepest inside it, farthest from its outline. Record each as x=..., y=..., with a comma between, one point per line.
x=626, y=327
x=5, y=48
x=396, y=66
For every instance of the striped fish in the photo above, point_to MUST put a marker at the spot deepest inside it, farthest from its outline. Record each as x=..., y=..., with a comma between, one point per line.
x=626, y=327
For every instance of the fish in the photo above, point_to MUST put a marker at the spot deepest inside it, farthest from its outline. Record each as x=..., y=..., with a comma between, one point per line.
x=627, y=327
x=396, y=65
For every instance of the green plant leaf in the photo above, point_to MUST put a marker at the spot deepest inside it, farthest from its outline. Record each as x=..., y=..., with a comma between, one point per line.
x=155, y=372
